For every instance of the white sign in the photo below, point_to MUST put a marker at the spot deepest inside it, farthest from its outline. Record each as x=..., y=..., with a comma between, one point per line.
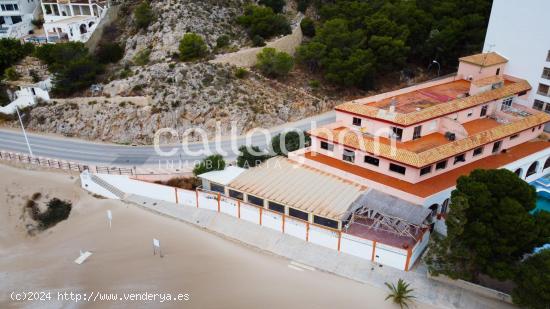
x=109, y=217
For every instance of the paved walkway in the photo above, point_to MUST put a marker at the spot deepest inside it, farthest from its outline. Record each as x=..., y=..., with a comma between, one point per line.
x=426, y=290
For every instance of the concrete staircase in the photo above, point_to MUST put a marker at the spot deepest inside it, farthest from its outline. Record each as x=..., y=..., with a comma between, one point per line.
x=107, y=186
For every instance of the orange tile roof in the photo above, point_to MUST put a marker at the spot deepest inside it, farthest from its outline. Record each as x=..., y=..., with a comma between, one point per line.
x=484, y=59
x=488, y=80
x=440, y=182
x=432, y=155
x=435, y=110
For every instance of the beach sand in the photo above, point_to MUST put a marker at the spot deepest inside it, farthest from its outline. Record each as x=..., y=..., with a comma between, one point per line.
x=213, y=271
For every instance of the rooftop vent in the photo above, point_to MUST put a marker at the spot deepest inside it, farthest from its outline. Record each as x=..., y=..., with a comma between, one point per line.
x=450, y=136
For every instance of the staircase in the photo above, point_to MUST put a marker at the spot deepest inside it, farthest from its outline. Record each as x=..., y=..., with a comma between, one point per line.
x=107, y=186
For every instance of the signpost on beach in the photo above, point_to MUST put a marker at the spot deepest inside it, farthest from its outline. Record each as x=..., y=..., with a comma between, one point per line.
x=156, y=247
x=109, y=217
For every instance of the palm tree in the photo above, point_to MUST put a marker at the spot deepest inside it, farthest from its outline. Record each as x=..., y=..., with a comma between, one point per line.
x=401, y=294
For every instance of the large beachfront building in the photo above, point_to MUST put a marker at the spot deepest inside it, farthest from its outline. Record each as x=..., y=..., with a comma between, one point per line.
x=383, y=172
x=72, y=20
x=16, y=17
x=529, y=50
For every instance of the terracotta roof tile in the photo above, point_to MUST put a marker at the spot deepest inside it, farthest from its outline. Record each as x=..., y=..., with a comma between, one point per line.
x=436, y=110
x=357, y=140
x=484, y=59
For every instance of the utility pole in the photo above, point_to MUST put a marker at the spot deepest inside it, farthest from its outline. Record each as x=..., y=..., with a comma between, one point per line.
x=24, y=133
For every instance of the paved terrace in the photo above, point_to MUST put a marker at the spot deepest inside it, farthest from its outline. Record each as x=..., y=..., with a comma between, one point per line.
x=438, y=183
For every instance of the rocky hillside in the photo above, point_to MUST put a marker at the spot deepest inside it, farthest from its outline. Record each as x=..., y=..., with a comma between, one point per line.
x=182, y=95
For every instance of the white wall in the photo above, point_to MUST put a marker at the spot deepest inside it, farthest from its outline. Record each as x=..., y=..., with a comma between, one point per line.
x=520, y=32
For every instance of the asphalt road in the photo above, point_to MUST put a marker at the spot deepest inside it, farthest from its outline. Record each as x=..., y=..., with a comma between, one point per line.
x=129, y=156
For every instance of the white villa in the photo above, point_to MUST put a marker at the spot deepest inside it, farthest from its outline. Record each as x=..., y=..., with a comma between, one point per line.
x=16, y=17
x=72, y=20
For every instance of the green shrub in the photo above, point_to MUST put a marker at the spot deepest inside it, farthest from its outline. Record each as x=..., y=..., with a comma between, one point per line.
x=276, y=5
x=273, y=63
x=11, y=51
x=143, y=15
x=210, y=163
x=308, y=27
x=222, y=41
x=241, y=73
x=314, y=84
x=57, y=211
x=73, y=67
x=532, y=288
x=110, y=53
x=142, y=57
x=250, y=157
x=292, y=142
x=258, y=41
x=303, y=5
x=192, y=47
x=11, y=74
x=262, y=21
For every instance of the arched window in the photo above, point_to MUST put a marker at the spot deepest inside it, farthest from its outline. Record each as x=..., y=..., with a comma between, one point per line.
x=433, y=208
x=83, y=29
x=90, y=24
x=546, y=164
x=532, y=169
x=518, y=172
x=444, y=206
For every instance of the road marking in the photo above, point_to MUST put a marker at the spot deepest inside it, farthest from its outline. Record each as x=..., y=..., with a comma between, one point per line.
x=296, y=264
x=295, y=268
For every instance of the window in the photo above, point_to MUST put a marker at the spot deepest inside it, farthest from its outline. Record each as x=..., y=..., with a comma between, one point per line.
x=255, y=200
x=460, y=158
x=483, y=111
x=470, y=114
x=444, y=206
x=325, y=222
x=547, y=108
x=425, y=170
x=506, y=103
x=298, y=214
x=327, y=146
x=349, y=155
x=544, y=90
x=372, y=160
x=276, y=207
x=236, y=194
x=356, y=121
x=441, y=165
x=538, y=105
x=498, y=71
x=397, y=168
x=478, y=151
x=16, y=19
x=217, y=188
x=548, y=56
x=532, y=169
x=496, y=146
x=417, y=132
x=397, y=133
x=514, y=136
x=546, y=73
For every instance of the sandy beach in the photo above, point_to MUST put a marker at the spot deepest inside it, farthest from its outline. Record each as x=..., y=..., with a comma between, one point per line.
x=214, y=272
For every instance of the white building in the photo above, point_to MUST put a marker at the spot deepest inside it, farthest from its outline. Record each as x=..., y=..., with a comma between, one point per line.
x=16, y=17
x=520, y=32
x=72, y=20
x=28, y=95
